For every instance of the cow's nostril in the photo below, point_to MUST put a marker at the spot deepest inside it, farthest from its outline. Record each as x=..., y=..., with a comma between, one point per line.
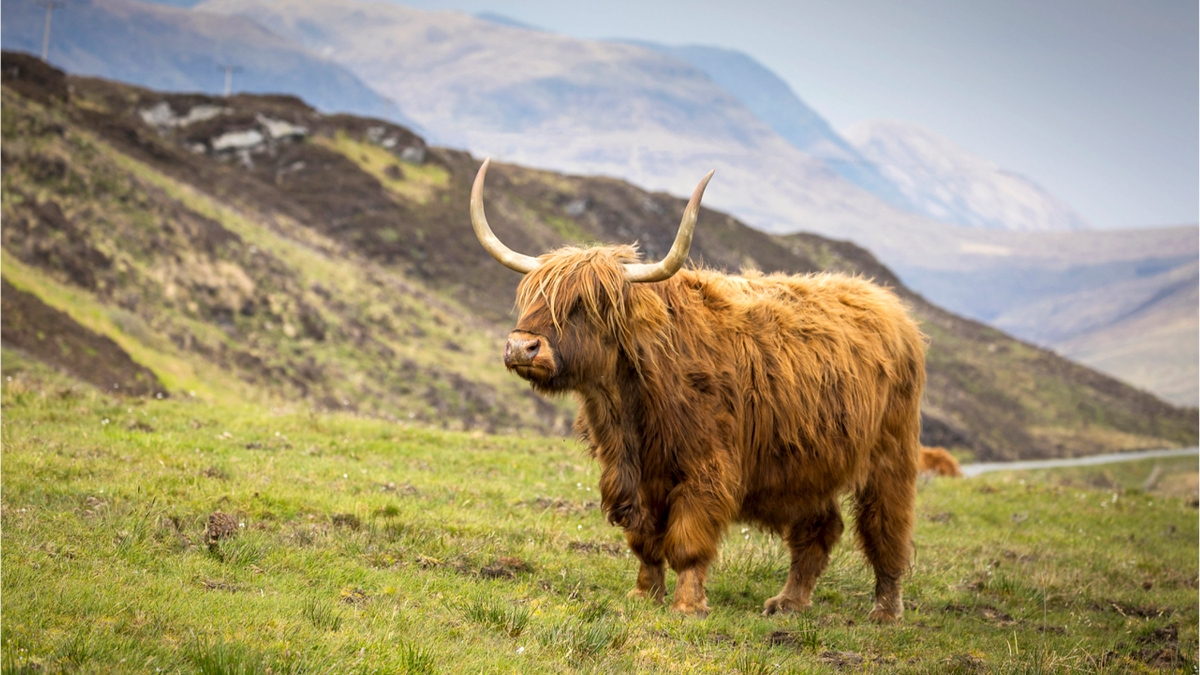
x=531, y=350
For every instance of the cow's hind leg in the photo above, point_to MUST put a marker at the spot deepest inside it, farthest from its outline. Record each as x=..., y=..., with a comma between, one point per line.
x=651, y=579
x=810, y=540
x=884, y=520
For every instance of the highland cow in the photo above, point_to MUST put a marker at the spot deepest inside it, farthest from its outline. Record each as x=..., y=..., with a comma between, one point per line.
x=709, y=398
x=938, y=462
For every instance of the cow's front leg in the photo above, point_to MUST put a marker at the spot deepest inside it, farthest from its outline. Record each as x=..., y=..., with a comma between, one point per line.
x=698, y=515
x=652, y=578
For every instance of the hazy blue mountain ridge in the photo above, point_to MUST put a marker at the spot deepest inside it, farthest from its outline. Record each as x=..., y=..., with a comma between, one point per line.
x=770, y=98
x=945, y=181
x=173, y=49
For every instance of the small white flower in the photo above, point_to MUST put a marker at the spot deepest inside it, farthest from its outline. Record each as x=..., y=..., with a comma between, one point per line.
x=745, y=530
x=104, y=421
x=345, y=475
x=276, y=434
x=521, y=650
x=580, y=527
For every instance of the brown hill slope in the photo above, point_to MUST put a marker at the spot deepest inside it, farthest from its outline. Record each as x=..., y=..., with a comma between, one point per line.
x=329, y=259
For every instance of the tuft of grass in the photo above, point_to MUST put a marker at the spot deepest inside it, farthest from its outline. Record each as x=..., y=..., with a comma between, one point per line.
x=806, y=634
x=416, y=660
x=579, y=640
x=228, y=658
x=503, y=616
x=322, y=614
x=752, y=662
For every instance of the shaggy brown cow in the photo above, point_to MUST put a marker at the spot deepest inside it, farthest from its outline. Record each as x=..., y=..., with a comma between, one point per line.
x=938, y=462
x=709, y=398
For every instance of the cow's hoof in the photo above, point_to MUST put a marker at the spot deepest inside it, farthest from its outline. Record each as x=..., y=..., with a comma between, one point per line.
x=880, y=614
x=783, y=605
x=698, y=610
x=643, y=594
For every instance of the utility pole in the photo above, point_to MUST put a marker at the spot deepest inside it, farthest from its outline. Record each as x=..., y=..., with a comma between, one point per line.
x=50, y=5
x=229, y=71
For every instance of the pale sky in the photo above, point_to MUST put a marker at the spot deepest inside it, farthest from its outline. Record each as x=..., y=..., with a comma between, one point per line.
x=1096, y=100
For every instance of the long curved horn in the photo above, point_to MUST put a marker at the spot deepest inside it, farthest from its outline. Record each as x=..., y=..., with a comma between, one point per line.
x=507, y=257
x=668, y=266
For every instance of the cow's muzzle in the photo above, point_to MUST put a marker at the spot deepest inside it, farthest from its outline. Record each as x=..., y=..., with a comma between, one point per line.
x=521, y=351
x=529, y=355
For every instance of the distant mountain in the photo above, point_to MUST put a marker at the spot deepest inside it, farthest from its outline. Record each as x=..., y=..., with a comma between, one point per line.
x=1141, y=326
x=175, y=49
x=1153, y=344
x=590, y=107
x=505, y=20
x=774, y=102
x=1121, y=301
x=944, y=181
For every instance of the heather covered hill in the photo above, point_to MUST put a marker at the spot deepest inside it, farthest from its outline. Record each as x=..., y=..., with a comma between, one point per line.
x=251, y=247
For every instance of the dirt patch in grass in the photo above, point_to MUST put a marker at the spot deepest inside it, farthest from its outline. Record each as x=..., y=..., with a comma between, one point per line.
x=345, y=520
x=595, y=547
x=965, y=663
x=563, y=506
x=1128, y=610
x=986, y=612
x=401, y=489
x=842, y=660
x=1157, y=649
x=505, y=568
x=220, y=526
x=354, y=596
x=799, y=640
x=218, y=585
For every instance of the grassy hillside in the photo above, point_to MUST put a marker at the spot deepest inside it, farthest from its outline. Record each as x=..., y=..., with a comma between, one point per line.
x=368, y=546
x=252, y=249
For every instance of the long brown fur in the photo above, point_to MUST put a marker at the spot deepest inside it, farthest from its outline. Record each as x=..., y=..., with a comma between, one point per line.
x=710, y=398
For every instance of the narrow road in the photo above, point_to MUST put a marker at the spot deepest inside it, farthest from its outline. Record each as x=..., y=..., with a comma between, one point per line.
x=970, y=470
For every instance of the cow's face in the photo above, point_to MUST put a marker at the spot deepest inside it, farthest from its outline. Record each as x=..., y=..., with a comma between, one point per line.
x=572, y=313
x=575, y=304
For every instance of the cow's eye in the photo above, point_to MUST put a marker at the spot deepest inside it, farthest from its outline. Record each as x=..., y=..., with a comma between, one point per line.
x=576, y=310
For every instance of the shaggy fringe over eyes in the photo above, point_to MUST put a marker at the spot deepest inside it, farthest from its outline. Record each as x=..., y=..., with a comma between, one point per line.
x=594, y=278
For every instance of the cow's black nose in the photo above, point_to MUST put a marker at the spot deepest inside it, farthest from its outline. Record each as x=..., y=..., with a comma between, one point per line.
x=521, y=351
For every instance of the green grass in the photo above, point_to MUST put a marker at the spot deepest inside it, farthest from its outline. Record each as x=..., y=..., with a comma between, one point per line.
x=375, y=547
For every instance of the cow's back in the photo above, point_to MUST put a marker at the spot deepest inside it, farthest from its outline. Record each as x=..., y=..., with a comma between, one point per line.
x=821, y=365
